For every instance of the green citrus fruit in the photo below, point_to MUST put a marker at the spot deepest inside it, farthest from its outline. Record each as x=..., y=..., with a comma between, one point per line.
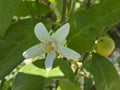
x=104, y=46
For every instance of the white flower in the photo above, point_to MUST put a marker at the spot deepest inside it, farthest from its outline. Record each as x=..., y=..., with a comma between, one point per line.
x=51, y=45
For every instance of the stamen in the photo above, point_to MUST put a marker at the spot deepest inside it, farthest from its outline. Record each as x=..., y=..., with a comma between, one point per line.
x=49, y=47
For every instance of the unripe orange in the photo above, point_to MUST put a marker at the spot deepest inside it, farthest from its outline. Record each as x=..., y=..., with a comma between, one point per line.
x=104, y=46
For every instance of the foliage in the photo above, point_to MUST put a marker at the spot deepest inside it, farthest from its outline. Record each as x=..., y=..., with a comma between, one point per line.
x=89, y=20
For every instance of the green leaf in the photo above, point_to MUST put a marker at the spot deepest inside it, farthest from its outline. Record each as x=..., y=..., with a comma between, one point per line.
x=29, y=76
x=19, y=37
x=88, y=24
x=7, y=10
x=105, y=75
x=87, y=69
x=88, y=83
x=31, y=8
x=66, y=84
x=61, y=68
x=28, y=82
x=7, y=85
x=38, y=68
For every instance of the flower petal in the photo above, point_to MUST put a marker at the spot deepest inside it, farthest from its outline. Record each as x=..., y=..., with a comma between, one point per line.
x=67, y=52
x=49, y=60
x=34, y=51
x=61, y=34
x=41, y=32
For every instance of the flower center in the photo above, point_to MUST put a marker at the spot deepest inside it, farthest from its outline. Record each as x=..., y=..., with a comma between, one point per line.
x=49, y=47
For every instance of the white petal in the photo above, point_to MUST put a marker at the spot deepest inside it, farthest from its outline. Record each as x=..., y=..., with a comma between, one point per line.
x=61, y=34
x=33, y=51
x=67, y=52
x=49, y=60
x=41, y=32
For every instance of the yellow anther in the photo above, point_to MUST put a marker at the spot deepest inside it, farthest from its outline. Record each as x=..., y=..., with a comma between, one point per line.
x=49, y=47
